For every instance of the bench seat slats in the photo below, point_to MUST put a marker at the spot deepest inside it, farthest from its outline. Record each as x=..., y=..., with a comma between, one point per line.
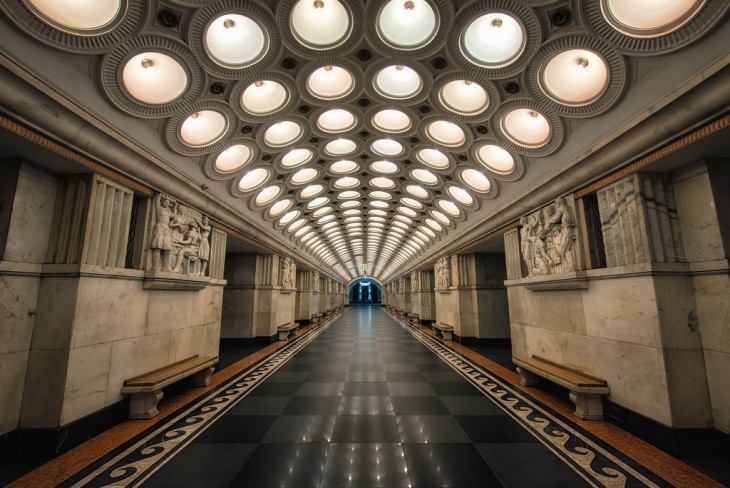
x=162, y=375
x=567, y=375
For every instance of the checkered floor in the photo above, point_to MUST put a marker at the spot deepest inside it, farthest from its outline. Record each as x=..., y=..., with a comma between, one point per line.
x=365, y=404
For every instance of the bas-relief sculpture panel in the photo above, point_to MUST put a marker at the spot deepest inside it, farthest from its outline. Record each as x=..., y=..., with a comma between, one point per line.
x=288, y=272
x=443, y=272
x=548, y=239
x=179, y=238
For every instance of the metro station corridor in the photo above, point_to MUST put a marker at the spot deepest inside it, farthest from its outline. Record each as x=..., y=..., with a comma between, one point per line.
x=365, y=400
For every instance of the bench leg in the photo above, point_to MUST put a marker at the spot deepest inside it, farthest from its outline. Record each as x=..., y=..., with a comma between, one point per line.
x=283, y=335
x=447, y=335
x=202, y=378
x=587, y=407
x=144, y=405
x=528, y=378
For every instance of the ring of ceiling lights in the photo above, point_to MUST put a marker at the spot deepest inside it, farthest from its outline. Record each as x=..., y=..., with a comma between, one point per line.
x=427, y=133
x=304, y=134
x=488, y=194
x=494, y=171
x=250, y=81
x=295, y=158
x=685, y=30
x=373, y=70
x=220, y=142
x=352, y=38
x=252, y=11
x=444, y=13
x=615, y=65
x=61, y=36
x=557, y=132
x=493, y=96
x=525, y=16
x=114, y=62
x=398, y=134
x=303, y=77
x=352, y=126
x=264, y=170
x=210, y=164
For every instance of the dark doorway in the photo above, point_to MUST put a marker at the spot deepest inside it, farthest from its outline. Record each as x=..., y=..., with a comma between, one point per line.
x=364, y=291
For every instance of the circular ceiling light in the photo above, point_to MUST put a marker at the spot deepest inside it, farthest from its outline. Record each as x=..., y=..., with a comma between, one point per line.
x=154, y=78
x=434, y=225
x=89, y=15
x=296, y=157
x=349, y=194
x=350, y=204
x=424, y=176
x=302, y=231
x=464, y=97
x=280, y=207
x=343, y=167
x=330, y=82
x=336, y=120
x=322, y=211
x=268, y=195
x=234, y=40
x=411, y=203
x=384, y=167
x=380, y=195
x=407, y=24
x=203, y=128
x=296, y=225
x=317, y=202
x=320, y=24
x=380, y=213
x=575, y=77
x=397, y=82
x=526, y=127
x=387, y=147
x=404, y=219
x=311, y=191
x=340, y=147
x=493, y=40
x=446, y=133
x=264, y=97
x=233, y=158
x=289, y=217
x=352, y=212
x=441, y=217
x=382, y=182
x=253, y=179
x=449, y=207
x=496, y=159
x=391, y=120
x=460, y=195
x=417, y=191
x=283, y=133
x=346, y=182
x=433, y=158
x=379, y=204
x=649, y=18
x=476, y=180
x=304, y=175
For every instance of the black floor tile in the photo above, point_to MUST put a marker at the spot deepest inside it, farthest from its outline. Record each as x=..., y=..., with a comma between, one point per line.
x=410, y=389
x=283, y=465
x=365, y=367
x=448, y=465
x=456, y=389
x=442, y=376
x=366, y=389
x=301, y=428
x=366, y=377
x=494, y=428
x=327, y=377
x=419, y=405
x=320, y=389
x=400, y=368
x=366, y=428
x=430, y=429
x=313, y=406
x=288, y=377
x=403, y=377
x=365, y=465
x=275, y=389
x=471, y=405
x=237, y=429
x=260, y=405
x=366, y=405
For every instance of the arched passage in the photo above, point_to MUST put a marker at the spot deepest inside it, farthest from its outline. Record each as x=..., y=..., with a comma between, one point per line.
x=364, y=291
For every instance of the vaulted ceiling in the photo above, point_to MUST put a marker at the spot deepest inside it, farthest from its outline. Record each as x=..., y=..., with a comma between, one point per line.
x=367, y=134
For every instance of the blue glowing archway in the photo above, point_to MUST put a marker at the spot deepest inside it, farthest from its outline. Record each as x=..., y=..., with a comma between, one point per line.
x=365, y=291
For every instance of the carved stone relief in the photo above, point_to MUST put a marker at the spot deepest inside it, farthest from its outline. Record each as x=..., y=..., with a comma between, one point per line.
x=548, y=239
x=288, y=272
x=315, y=281
x=443, y=272
x=414, y=281
x=179, y=238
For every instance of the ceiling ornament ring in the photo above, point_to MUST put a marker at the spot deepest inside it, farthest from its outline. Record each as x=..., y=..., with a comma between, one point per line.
x=261, y=16
x=318, y=174
x=615, y=64
x=282, y=117
x=208, y=163
x=344, y=63
x=237, y=91
x=266, y=209
x=374, y=68
x=494, y=185
x=473, y=207
x=174, y=124
x=411, y=113
x=699, y=25
x=355, y=11
x=282, y=168
x=529, y=20
x=454, y=218
x=353, y=129
x=400, y=168
x=373, y=154
x=131, y=14
x=252, y=205
x=491, y=90
x=556, y=126
x=519, y=161
x=468, y=134
x=234, y=189
x=444, y=12
x=416, y=158
x=113, y=64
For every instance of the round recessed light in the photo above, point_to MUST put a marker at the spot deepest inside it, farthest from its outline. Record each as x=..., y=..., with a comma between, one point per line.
x=391, y=120
x=289, y=217
x=264, y=97
x=203, y=128
x=336, y=120
x=493, y=40
x=382, y=182
x=268, y=195
x=154, y=78
x=340, y=147
x=464, y=97
x=411, y=202
x=460, y=195
x=283, y=133
x=304, y=175
x=387, y=147
x=317, y=202
x=296, y=157
x=496, y=159
x=424, y=176
x=280, y=207
x=384, y=167
x=330, y=82
x=344, y=166
x=253, y=179
x=476, y=180
x=88, y=15
x=446, y=133
x=526, y=127
x=234, y=40
x=233, y=158
x=320, y=24
x=311, y=191
x=433, y=158
x=649, y=18
x=322, y=211
x=575, y=77
x=397, y=82
x=417, y=191
x=346, y=182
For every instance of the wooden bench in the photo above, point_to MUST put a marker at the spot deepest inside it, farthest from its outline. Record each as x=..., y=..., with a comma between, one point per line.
x=446, y=331
x=146, y=389
x=586, y=391
x=286, y=330
x=413, y=318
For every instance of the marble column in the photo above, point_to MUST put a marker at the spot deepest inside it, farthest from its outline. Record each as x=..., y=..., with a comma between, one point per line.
x=423, y=296
x=304, y=302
